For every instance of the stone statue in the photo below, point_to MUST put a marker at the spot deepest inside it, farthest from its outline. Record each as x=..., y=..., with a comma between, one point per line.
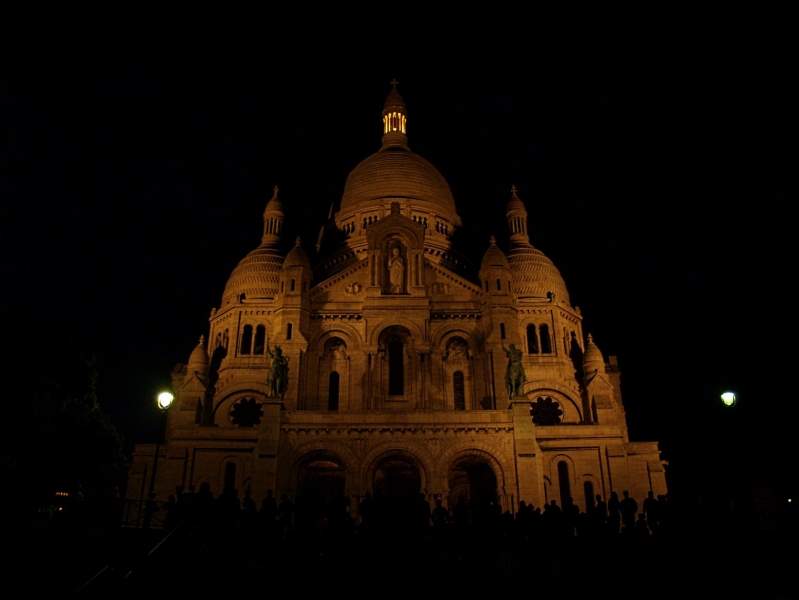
x=278, y=378
x=396, y=269
x=514, y=375
x=339, y=351
x=457, y=351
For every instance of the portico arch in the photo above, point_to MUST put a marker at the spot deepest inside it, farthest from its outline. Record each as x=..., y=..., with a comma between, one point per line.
x=321, y=483
x=474, y=478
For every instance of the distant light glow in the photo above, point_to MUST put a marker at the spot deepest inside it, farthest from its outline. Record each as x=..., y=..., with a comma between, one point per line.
x=165, y=400
x=728, y=398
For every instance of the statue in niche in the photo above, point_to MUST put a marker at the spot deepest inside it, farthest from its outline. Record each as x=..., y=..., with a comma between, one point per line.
x=396, y=272
x=457, y=350
x=338, y=351
x=278, y=378
x=514, y=374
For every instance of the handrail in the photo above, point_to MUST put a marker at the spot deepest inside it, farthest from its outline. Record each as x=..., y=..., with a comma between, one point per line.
x=135, y=565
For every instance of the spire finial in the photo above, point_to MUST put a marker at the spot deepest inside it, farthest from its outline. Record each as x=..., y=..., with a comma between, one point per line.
x=202, y=340
x=298, y=241
x=493, y=241
x=394, y=82
x=590, y=339
x=513, y=190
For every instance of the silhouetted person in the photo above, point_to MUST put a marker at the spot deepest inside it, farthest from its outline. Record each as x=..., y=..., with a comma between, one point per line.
x=172, y=513
x=629, y=508
x=439, y=518
x=600, y=511
x=267, y=515
x=651, y=511
x=150, y=508
x=641, y=528
x=249, y=513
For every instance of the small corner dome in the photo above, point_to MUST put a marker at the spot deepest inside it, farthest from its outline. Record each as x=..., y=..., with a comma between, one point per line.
x=256, y=276
x=297, y=257
x=592, y=358
x=494, y=257
x=535, y=274
x=198, y=361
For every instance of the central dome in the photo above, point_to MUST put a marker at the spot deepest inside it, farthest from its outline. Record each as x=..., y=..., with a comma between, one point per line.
x=398, y=174
x=395, y=174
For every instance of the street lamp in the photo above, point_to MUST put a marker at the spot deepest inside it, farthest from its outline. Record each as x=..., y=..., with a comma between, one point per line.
x=728, y=398
x=164, y=401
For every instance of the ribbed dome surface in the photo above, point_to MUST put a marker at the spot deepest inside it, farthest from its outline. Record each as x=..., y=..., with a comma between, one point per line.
x=535, y=275
x=398, y=173
x=494, y=257
x=256, y=276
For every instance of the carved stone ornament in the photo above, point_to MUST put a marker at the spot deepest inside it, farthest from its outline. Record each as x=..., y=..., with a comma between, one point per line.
x=246, y=412
x=545, y=411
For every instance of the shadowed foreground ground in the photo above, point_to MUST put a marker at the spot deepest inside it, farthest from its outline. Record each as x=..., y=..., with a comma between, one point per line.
x=722, y=559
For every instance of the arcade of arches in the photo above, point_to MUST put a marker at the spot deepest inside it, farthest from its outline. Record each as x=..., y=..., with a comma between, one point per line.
x=392, y=363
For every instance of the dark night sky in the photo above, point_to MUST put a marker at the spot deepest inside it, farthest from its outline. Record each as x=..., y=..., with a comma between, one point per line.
x=655, y=151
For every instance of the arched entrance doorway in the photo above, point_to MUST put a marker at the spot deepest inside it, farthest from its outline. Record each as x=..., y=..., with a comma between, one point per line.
x=396, y=491
x=320, y=492
x=472, y=487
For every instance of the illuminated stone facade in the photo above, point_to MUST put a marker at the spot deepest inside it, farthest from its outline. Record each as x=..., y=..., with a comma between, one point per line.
x=397, y=354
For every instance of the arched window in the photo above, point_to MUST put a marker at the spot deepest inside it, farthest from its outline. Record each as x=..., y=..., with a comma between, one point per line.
x=246, y=340
x=396, y=368
x=289, y=330
x=293, y=282
x=546, y=343
x=563, y=482
x=499, y=285
x=459, y=390
x=486, y=284
x=260, y=339
x=502, y=331
x=332, y=394
x=532, y=340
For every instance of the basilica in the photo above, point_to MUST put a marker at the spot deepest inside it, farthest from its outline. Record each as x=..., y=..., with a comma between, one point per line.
x=389, y=365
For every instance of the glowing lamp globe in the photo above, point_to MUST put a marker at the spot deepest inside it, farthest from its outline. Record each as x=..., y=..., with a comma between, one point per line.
x=165, y=400
x=728, y=398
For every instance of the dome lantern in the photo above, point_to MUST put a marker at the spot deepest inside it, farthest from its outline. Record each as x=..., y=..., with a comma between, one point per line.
x=273, y=220
x=395, y=119
x=517, y=219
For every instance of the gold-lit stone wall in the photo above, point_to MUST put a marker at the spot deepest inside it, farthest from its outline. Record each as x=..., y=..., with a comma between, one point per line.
x=396, y=352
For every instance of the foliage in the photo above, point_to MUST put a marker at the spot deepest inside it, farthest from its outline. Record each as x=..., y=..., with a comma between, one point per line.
x=59, y=437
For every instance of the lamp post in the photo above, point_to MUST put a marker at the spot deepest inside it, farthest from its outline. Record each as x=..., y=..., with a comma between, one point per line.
x=164, y=401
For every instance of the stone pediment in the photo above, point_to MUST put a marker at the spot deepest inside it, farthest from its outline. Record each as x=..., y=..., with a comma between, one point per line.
x=392, y=225
x=346, y=286
x=442, y=282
